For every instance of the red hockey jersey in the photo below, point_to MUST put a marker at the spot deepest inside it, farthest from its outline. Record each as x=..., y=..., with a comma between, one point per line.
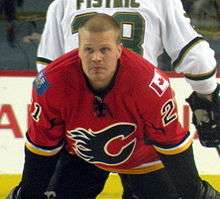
x=138, y=115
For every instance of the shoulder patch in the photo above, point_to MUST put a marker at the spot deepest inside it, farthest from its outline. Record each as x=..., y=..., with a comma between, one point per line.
x=159, y=84
x=40, y=83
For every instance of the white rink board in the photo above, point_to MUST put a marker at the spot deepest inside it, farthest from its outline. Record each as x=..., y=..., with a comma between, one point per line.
x=15, y=93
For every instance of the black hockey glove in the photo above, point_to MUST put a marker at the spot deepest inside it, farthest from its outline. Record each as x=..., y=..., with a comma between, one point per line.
x=206, y=117
x=14, y=193
x=206, y=191
x=50, y=195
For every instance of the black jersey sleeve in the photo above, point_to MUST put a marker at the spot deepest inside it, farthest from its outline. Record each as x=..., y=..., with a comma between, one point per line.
x=36, y=174
x=184, y=174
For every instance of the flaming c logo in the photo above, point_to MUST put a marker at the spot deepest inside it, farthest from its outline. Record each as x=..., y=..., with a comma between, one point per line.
x=93, y=146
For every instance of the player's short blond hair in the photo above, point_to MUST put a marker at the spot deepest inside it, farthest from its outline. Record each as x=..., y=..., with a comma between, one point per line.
x=101, y=22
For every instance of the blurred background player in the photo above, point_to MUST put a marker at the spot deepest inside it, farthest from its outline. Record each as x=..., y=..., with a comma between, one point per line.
x=148, y=27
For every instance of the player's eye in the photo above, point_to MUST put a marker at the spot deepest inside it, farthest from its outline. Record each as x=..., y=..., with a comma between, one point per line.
x=104, y=50
x=88, y=50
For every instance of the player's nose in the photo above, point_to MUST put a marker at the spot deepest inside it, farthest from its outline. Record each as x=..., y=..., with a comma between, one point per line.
x=97, y=56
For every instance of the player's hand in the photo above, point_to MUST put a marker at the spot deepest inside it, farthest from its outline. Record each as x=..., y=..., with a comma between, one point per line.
x=206, y=116
x=206, y=191
x=49, y=195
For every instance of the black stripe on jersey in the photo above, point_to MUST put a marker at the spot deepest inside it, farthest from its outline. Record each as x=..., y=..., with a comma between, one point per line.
x=44, y=147
x=169, y=146
x=185, y=50
x=43, y=60
x=201, y=76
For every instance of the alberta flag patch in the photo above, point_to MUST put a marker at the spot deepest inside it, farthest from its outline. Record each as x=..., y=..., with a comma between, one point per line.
x=40, y=83
x=159, y=84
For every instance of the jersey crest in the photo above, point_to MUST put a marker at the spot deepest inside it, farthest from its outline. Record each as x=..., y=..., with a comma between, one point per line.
x=40, y=83
x=112, y=145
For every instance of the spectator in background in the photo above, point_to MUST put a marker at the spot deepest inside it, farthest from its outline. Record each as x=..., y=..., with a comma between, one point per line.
x=207, y=13
x=8, y=9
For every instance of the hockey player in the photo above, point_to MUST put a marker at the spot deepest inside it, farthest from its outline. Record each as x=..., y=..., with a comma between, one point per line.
x=148, y=27
x=90, y=103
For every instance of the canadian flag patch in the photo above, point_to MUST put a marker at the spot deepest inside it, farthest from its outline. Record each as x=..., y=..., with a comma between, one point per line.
x=159, y=84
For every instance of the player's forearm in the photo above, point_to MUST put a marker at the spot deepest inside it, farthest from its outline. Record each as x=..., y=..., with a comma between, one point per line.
x=36, y=174
x=183, y=172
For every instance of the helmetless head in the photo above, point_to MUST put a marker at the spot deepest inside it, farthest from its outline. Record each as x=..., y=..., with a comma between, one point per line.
x=99, y=49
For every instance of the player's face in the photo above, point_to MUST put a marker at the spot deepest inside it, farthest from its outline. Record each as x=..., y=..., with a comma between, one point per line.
x=99, y=54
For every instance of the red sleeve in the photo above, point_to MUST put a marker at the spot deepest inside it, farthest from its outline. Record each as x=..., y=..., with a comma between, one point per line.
x=158, y=109
x=46, y=127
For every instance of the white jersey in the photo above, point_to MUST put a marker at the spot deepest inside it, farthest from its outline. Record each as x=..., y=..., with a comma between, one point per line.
x=148, y=27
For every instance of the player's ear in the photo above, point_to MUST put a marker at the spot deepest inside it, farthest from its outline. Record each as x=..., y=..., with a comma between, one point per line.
x=119, y=48
x=79, y=52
